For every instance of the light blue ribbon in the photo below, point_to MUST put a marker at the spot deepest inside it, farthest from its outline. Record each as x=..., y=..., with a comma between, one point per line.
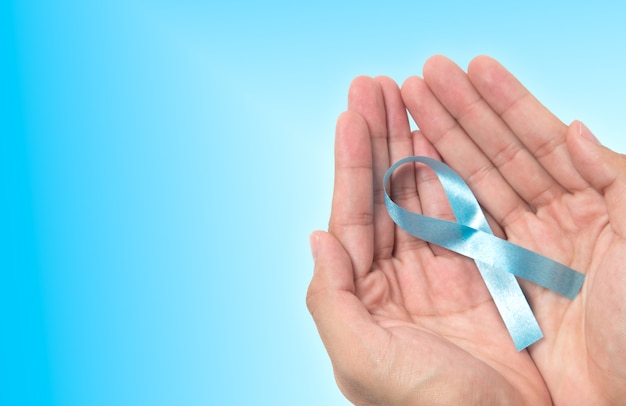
x=497, y=260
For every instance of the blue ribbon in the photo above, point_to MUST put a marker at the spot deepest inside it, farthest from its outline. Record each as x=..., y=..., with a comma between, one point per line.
x=497, y=260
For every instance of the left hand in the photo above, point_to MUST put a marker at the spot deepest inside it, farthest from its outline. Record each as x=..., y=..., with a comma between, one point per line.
x=552, y=189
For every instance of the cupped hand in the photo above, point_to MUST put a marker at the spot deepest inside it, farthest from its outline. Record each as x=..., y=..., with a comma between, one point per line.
x=553, y=189
x=404, y=322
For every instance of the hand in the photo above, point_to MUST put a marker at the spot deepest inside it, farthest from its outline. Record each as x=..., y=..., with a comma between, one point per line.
x=553, y=189
x=404, y=322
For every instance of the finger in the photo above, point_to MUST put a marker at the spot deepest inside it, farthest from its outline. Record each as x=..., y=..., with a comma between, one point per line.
x=486, y=128
x=432, y=196
x=461, y=153
x=403, y=188
x=366, y=98
x=543, y=134
x=435, y=202
x=352, y=214
x=341, y=319
x=605, y=170
x=433, y=199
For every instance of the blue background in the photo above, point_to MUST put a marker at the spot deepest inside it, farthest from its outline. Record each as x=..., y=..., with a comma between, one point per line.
x=162, y=164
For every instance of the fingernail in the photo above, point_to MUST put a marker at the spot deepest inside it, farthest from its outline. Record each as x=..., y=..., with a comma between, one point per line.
x=587, y=134
x=314, y=241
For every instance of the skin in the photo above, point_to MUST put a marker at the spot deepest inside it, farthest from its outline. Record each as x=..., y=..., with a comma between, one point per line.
x=409, y=323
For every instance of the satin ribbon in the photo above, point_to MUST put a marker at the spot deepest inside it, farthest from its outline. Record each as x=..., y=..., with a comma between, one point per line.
x=497, y=260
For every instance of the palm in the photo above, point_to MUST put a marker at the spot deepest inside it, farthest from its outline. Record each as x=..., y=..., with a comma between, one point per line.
x=575, y=237
x=523, y=174
x=442, y=323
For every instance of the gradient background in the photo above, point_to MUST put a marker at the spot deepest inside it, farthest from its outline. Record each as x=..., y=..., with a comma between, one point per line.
x=163, y=162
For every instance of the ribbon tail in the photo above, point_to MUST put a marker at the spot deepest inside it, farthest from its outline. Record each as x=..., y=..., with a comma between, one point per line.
x=512, y=305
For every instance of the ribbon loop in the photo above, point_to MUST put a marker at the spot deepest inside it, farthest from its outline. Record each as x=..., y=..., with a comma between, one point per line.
x=497, y=260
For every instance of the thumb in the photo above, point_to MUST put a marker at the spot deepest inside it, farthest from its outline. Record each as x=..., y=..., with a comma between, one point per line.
x=342, y=320
x=333, y=267
x=604, y=169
